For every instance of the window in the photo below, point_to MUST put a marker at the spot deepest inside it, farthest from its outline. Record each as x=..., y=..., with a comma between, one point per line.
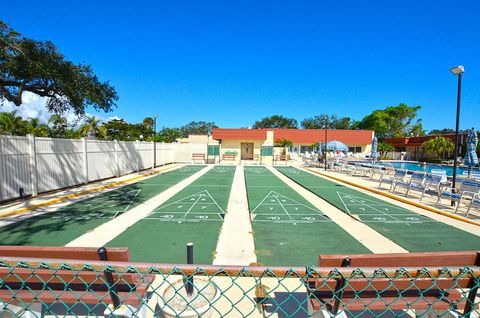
x=354, y=149
x=304, y=149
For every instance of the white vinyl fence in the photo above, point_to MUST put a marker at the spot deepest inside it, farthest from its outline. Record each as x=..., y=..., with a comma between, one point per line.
x=30, y=165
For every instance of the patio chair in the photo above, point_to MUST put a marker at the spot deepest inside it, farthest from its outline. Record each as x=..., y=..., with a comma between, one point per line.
x=475, y=203
x=346, y=167
x=392, y=180
x=416, y=180
x=472, y=175
x=440, y=172
x=432, y=183
x=377, y=170
x=361, y=170
x=468, y=190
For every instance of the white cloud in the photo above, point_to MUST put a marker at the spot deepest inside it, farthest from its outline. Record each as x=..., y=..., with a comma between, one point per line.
x=113, y=118
x=36, y=106
x=32, y=106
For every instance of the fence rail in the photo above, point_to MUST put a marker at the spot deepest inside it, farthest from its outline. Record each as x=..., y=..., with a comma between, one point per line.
x=76, y=288
x=30, y=165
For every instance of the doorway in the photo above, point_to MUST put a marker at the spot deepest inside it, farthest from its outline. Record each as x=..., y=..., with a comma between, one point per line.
x=246, y=152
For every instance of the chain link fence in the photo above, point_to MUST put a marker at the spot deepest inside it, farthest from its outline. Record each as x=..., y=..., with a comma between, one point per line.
x=36, y=288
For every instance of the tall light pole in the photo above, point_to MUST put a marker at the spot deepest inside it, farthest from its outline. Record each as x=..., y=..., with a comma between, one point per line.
x=155, y=140
x=326, y=135
x=457, y=70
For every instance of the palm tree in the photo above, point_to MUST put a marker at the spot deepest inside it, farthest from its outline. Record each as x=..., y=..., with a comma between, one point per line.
x=59, y=125
x=438, y=146
x=10, y=123
x=92, y=128
x=284, y=143
x=384, y=147
x=34, y=127
x=148, y=122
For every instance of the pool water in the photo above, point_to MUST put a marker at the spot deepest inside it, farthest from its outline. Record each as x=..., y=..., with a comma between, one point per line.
x=414, y=166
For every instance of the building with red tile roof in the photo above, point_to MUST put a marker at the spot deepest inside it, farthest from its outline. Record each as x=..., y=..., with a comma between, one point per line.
x=247, y=142
x=412, y=146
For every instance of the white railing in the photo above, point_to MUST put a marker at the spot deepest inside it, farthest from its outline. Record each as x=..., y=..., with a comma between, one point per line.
x=30, y=165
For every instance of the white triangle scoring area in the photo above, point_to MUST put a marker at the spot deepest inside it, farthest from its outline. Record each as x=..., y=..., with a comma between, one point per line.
x=109, y=208
x=279, y=208
x=200, y=206
x=366, y=210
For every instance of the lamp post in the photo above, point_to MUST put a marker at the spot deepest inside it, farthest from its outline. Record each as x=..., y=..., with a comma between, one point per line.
x=457, y=70
x=326, y=135
x=155, y=140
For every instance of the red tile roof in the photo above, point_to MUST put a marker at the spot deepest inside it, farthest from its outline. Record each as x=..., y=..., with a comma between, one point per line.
x=418, y=141
x=239, y=134
x=297, y=136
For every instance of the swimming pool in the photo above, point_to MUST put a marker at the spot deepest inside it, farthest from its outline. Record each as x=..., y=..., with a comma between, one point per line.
x=418, y=166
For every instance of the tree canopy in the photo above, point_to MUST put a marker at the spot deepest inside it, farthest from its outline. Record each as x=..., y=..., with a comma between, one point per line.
x=276, y=121
x=393, y=121
x=38, y=67
x=169, y=134
x=333, y=122
x=438, y=146
x=197, y=128
x=384, y=147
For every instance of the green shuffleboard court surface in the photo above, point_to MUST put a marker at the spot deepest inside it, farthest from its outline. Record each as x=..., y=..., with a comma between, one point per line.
x=288, y=230
x=194, y=214
x=69, y=222
x=413, y=231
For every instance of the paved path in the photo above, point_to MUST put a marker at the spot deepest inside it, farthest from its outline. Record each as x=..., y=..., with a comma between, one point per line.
x=235, y=243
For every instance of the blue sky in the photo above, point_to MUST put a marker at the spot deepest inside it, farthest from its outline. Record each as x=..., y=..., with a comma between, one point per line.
x=233, y=62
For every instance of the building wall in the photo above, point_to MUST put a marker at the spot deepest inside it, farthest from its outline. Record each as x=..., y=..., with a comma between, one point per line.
x=235, y=146
x=365, y=149
x=198, y=139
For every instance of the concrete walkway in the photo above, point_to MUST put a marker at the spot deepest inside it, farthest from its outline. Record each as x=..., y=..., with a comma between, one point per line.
x=235, y=243
x=109, y=230
x=371, y=239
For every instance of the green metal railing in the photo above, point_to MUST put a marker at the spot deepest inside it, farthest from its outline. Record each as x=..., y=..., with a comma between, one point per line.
x=74, y=288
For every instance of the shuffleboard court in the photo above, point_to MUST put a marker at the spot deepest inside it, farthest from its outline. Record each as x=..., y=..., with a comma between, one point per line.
x=194, y=214
x=69, y=222
x=413, y=231
x=288, y=230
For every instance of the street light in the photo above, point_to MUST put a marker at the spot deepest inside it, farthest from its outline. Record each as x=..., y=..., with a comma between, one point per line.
x=457, y=70
x=155, y=140
x=325, y=149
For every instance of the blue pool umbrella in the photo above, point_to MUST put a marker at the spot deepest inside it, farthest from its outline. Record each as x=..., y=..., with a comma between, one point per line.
x=471, y=158
x=336, y=145
x=374, y=148
x=318, y=149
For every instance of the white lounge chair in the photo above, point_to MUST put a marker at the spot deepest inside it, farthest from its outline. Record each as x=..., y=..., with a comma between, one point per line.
x=392, y=180
x=467, y=191
x=416, y=180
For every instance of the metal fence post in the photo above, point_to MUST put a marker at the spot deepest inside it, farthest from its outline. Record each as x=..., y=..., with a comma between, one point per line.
x=85, y=160
x=137, y=144
x=33, y=165
x=117, y=164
